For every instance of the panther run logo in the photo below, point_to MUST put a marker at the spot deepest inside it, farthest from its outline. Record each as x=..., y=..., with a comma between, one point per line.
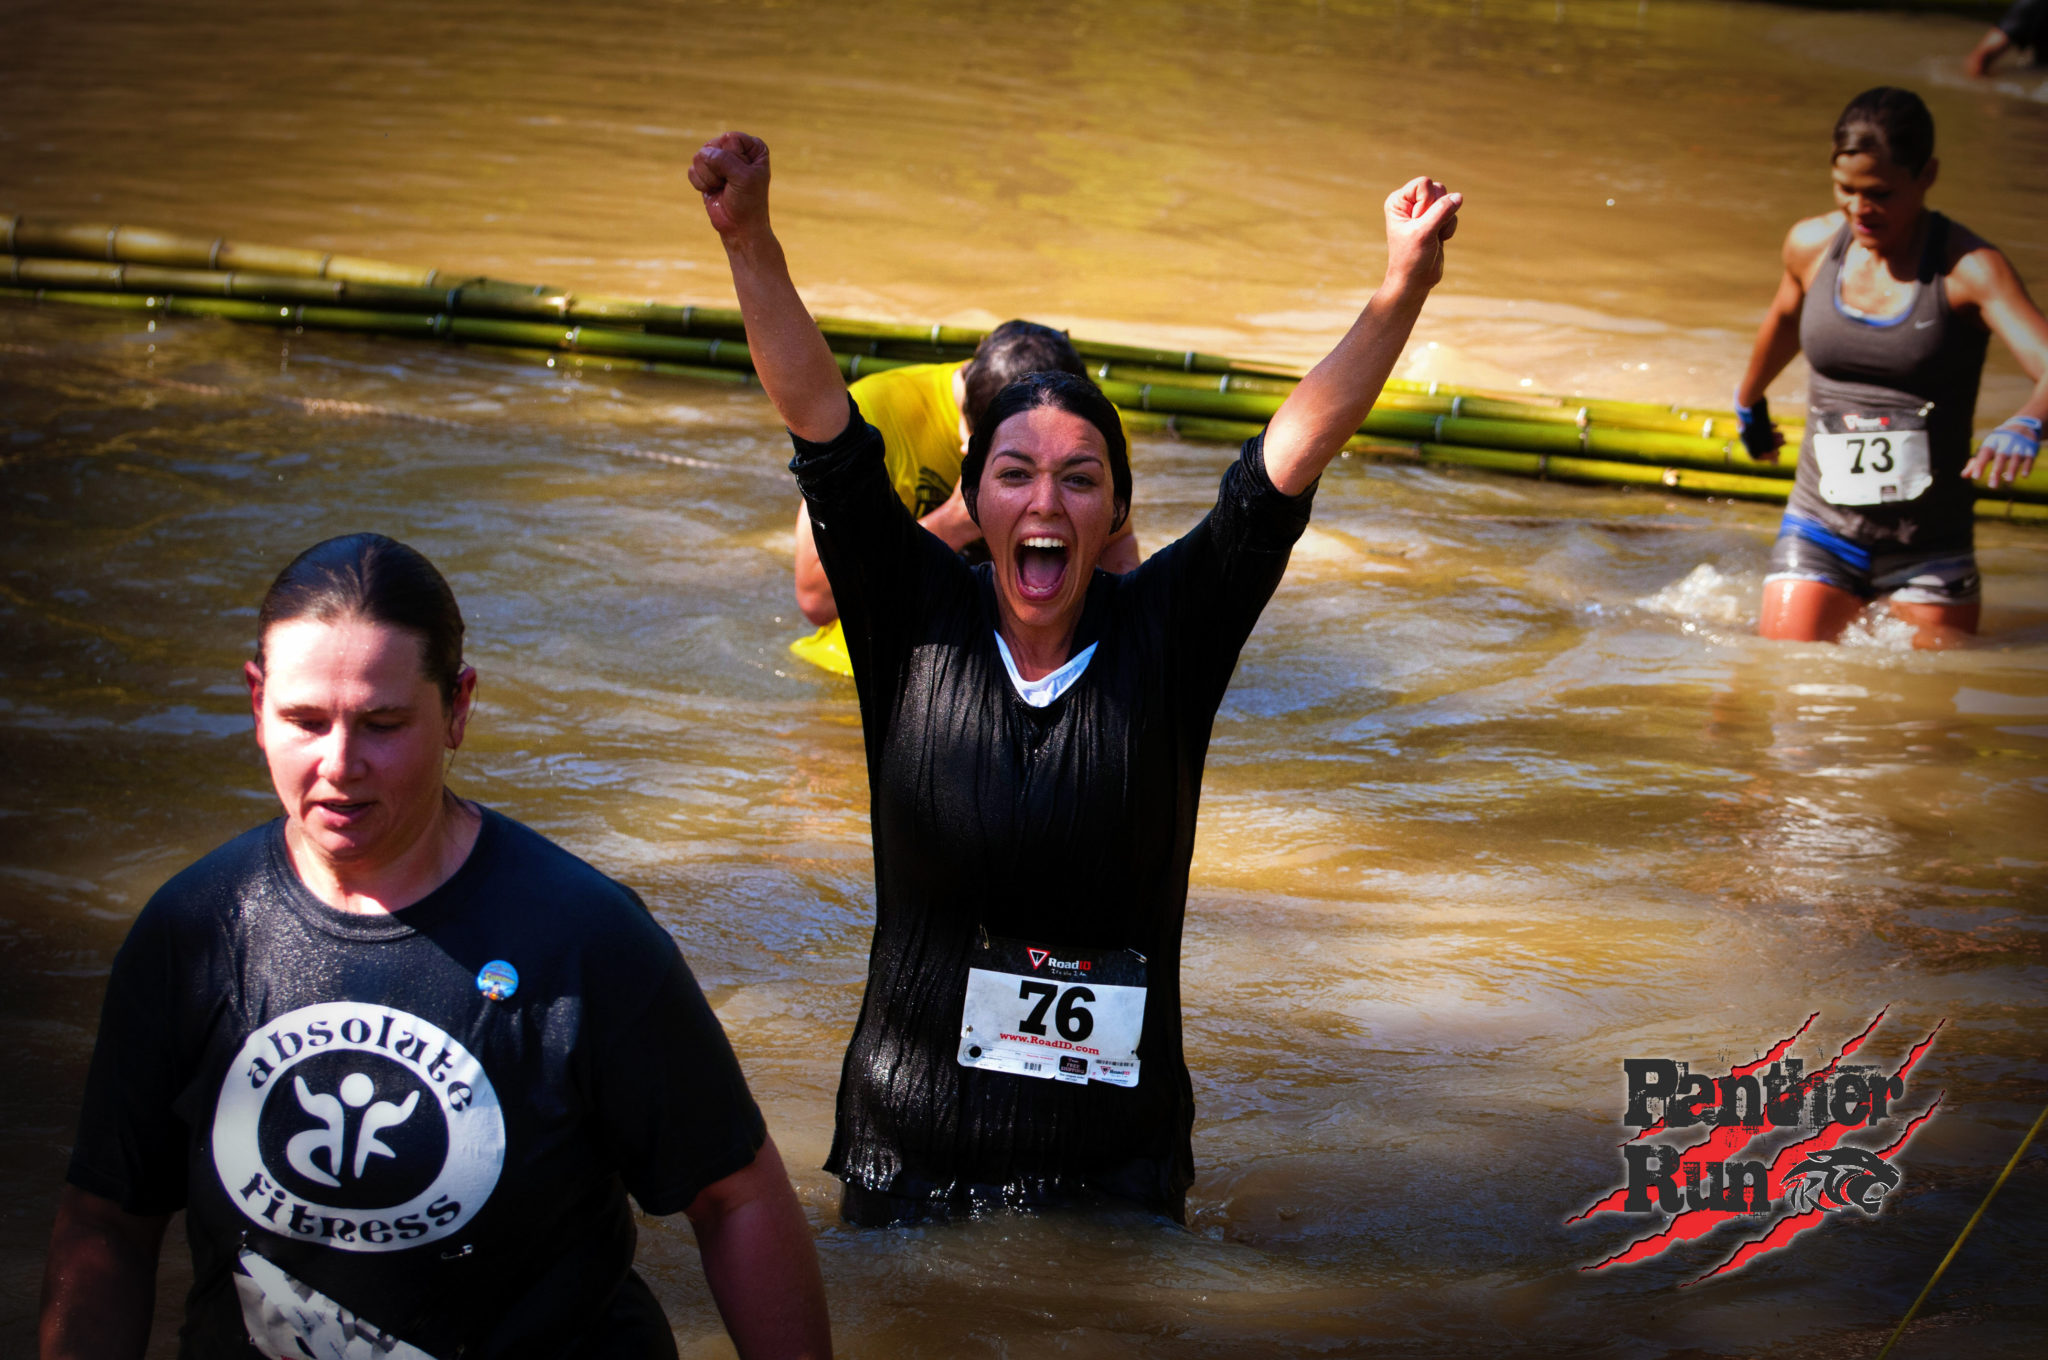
x=359, y=1127
x=1761, y=1146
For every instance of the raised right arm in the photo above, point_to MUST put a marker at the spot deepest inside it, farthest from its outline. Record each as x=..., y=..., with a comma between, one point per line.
x=790, y=356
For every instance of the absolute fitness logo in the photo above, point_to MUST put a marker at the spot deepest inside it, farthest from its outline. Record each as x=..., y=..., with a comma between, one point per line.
x=1761, y=1146
x=357, y=1126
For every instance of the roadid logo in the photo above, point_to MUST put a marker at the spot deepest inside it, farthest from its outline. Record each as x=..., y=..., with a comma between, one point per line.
x=358, y=1126
x=1760, y=1146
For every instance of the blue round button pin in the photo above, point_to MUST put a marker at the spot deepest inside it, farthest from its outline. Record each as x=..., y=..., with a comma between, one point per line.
x=497, y=980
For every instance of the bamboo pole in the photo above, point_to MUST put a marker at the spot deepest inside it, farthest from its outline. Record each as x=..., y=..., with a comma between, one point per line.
x=1388, y=419
x=1688, y=481
x=121, y=244
x=1440, y=401
x=107, y=241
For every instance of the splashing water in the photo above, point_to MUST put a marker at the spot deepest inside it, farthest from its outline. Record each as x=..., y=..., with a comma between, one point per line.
x=1877, y=629
x=1707, y=595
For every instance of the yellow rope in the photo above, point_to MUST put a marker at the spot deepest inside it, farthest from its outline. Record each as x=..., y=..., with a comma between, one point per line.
x=2017, y=1152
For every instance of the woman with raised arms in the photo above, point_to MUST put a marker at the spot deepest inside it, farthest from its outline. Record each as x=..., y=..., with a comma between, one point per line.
x=1035, y=731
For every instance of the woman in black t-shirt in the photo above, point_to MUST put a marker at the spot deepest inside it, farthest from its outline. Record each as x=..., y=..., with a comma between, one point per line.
x=1036, y=731
x=400, y=1059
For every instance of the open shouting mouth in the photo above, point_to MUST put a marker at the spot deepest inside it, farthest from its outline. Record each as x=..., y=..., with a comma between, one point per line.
x=1041, y=566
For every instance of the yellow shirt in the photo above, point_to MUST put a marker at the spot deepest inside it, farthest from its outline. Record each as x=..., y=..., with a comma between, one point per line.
x=914, y=409
x=920, y=423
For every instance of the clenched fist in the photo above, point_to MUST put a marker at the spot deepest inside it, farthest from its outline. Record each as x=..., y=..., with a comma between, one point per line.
x=731, y=171
x=1421, y=216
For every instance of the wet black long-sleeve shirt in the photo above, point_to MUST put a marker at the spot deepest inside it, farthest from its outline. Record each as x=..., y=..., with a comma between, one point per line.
x=1071, y=824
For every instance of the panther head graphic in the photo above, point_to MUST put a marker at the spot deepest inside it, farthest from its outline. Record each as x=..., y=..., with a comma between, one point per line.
x=1843, y=1178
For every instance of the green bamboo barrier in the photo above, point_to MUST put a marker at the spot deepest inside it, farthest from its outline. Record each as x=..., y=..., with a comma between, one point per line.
x=1401, y=416
x=272, y=273
x=1227, y=417
x=486, y=297
x=102, y=265
x=139, y=245
x=1528, y=448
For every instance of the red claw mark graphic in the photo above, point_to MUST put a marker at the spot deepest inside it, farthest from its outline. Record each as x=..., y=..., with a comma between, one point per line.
x=1714, y=1148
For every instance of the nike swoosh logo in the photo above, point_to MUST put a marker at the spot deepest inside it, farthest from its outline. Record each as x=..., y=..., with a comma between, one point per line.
x=1922, y=325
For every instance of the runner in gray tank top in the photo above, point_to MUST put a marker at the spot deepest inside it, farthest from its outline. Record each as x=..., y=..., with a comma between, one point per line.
x=1894, y=306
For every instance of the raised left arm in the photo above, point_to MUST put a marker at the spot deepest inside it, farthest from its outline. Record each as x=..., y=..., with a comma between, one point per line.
x=760, y=1263
x=1988, y=279
x=1330, y=404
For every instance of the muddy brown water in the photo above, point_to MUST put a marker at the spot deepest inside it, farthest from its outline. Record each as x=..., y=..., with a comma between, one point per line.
x=1504, y=791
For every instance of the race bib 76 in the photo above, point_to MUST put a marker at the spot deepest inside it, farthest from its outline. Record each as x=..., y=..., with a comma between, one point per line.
x=1057, y=1014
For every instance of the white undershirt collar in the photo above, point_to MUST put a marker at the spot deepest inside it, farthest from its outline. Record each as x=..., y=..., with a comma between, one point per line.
x=1038, y=693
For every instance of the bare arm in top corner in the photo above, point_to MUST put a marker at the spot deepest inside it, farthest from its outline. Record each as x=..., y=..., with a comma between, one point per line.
x=99, y=1285
x=790, y=355
x=1331, y=402
x=1995, y=43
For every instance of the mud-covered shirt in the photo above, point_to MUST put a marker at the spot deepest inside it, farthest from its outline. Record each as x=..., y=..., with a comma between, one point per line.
x=338, y=1094
x=1071, y=824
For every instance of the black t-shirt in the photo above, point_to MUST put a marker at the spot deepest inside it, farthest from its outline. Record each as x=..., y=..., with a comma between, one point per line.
x=337, y=1094
x=1071, y=825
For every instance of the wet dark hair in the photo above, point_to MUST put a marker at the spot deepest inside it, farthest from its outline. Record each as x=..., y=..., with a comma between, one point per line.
x=1070, y=392
x=378, y=579
x=1890, y=124
x=1006, y=354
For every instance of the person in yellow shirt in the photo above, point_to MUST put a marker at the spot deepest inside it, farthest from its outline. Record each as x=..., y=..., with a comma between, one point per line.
x=926, y=413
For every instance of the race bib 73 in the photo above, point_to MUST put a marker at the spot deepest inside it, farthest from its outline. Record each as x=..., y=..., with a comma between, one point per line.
x=1871, y=459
